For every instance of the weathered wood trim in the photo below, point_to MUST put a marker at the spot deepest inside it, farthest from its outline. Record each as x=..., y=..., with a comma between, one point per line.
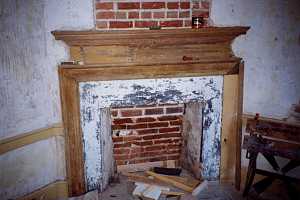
x=229, y=129
x=12, y=143
x=73, y=139
x=132, y=37
x=239, y=127
x=93, y=73
x=53, y=191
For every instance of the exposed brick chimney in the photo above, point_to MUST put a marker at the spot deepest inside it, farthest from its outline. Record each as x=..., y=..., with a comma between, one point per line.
x=120, y=14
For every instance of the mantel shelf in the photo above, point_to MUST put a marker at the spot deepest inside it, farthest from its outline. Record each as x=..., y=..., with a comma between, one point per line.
x=115, y=37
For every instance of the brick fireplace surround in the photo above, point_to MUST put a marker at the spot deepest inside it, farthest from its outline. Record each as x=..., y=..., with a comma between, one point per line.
x=142, y=54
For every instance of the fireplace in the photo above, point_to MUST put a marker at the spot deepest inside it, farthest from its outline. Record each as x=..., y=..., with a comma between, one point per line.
x=149, y=119
x=128, y=69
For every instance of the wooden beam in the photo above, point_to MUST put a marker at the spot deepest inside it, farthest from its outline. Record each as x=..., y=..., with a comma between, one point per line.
x=12, y=143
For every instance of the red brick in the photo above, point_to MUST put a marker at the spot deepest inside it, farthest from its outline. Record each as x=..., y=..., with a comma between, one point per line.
x=102, y=25
x=118, y=127
x=153, y=5
x=174, y=110
x=185, y=5
x=168, y=118
x=140, y=161
x=168, y=130
x=175, y=123
x=104, y=6
x=120, y=24
x=105, y=15
x=145, y=24
x=122, y=120
x=173, y=146
x=158, y=124
x=133, y=15
x=184, y=14
x=128, y=5
x=174, y=23
x=136, y=149
x=131, y=113
x=121, y=150
x=120, y=15
x=173, y=5
x=145, y=119
x=163, y=141
x=155, y=148
x=137, y=126
x=148, y=137
x=199, y=13
x=154, y=111
x=172, y=14
x=147, y=131
x=205, y=4
x=117, y=139
x=146, y=15
x=120, y=145
x=167, y=135
x=132, y=138
x=158, y=15
x=146, y=143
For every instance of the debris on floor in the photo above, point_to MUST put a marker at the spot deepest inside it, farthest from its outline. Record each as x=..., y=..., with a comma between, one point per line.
x=150, y=185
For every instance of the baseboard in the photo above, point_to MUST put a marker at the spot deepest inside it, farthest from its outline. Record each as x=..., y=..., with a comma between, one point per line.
x=54, y=191
x=12, y=143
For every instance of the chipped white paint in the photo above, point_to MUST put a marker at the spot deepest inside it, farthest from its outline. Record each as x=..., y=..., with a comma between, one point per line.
x=100, y=94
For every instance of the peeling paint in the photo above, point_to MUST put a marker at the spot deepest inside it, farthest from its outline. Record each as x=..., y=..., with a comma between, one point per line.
x=103, y=94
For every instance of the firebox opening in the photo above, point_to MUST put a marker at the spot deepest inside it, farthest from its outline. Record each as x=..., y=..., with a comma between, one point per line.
x=167, y=135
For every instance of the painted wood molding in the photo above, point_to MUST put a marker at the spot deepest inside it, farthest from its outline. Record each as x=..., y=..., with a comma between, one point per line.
x=12, y=143
x=53, y=191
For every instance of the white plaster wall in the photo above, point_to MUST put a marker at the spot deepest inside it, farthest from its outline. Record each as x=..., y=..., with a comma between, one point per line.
x=29, y=56
x=31, y=167
x=271, y=51
x=29, y=92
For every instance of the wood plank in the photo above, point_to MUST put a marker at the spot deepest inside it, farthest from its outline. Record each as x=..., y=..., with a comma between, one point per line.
x=12, y=143
x=229, y=129
x=170, y=181
x=192, y=137
x=239, y=127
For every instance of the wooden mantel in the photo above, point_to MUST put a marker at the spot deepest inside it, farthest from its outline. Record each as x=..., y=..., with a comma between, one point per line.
x=142, y=54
